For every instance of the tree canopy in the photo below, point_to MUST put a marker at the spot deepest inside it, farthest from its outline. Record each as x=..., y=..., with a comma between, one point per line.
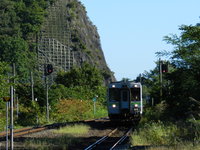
x=182, y=82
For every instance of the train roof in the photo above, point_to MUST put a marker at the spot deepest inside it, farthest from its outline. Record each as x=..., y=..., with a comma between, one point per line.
x=128, y=84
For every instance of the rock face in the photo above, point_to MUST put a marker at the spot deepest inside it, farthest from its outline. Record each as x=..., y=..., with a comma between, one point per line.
x=68, y=38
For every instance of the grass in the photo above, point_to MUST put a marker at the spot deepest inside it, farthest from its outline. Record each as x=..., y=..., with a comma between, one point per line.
x=56, y=139
x=158, y=134
x=184, y=146
x=165, y=136
x=77, y=129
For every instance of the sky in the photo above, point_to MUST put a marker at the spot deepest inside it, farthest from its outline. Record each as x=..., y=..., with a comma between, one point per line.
x=132, y=31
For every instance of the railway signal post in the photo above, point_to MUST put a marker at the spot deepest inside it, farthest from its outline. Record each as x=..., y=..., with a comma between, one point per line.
x=163, y=68
x=48, y=69
x=160, y=72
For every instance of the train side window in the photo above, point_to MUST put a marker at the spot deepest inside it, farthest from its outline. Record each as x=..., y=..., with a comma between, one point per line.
x=135, y=94
x=114, y=94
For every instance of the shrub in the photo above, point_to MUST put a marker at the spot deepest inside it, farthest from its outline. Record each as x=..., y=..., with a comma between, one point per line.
x=158, y=134
x=180, y=135
x=75, y=110
x=78, y=129
x=2, y=121
x=155, y=113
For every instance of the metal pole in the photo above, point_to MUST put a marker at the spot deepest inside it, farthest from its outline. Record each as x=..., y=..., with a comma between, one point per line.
x=94, y=107
x=17, y=106
x=47, y=100
x=11, y=118
x=14, y=72
x=32, y=86
x=7, y=105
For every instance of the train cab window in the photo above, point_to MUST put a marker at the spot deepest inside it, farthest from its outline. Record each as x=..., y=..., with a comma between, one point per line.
x=135, y=94
x=114, y=94
x=125, y=96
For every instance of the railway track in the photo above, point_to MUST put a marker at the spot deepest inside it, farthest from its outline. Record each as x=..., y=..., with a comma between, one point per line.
x=23, y=131
x=112, y=141
x=29, y=130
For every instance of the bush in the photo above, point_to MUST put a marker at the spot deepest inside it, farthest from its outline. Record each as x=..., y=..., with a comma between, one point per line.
x=29, y=115
x=155, y=113
x=168, y=134
x=76, y=110
x=2, y=121
x=158, y=134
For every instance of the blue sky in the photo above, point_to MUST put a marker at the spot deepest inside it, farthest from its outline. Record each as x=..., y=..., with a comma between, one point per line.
x=131, y=31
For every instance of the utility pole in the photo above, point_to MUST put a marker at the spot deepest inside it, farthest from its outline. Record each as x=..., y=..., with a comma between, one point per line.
x=11, y=108
x=14, y=73
x=7, y=105
x=17, y=101
x=11, y=117
x=32, y=86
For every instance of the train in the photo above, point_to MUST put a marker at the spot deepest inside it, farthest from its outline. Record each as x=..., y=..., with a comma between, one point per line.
x=124, y=101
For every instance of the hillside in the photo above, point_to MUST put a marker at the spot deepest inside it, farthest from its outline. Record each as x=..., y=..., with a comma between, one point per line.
x=68, y=38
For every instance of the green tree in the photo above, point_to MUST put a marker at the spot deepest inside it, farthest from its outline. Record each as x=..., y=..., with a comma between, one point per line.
x=4, y=80
x=83, y=82
x=184, y=79
x=87, y=76
x=16, y=50
x=8, y=19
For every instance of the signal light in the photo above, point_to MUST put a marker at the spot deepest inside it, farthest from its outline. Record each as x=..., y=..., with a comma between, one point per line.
x=164, y=68
x=48, y=69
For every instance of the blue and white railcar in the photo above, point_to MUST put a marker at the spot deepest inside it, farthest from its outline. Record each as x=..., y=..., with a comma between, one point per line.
x=124, y=100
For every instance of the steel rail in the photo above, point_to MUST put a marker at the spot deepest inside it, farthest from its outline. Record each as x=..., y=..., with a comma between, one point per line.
x=101, y=140
x=16, y=131
x=30, y=131
x=121, y=139
x=25, y=131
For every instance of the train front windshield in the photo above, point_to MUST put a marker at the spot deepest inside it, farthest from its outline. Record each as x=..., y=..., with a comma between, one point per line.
x=135, y=94
x=114, y=94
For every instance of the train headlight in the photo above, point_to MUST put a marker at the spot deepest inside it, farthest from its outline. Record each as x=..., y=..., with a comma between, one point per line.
x=136, y=105
x=113, y=105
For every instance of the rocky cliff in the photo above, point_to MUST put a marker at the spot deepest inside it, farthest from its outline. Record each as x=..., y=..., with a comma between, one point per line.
x=68, y=38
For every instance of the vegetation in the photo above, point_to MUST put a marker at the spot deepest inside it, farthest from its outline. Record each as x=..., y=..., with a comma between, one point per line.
x=181, y=83
x=58, y=139
x=20, y=21
x=167, y=135
x=171, y=118
x=76, y=129
x=171, y=104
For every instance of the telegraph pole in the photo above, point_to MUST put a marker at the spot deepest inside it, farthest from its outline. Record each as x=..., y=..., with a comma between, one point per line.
x=7, y=105
x=17, y=101
x=11, y=109
x=160, y=70
x=11, y=117
x=32, y=86
x=14, y=73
